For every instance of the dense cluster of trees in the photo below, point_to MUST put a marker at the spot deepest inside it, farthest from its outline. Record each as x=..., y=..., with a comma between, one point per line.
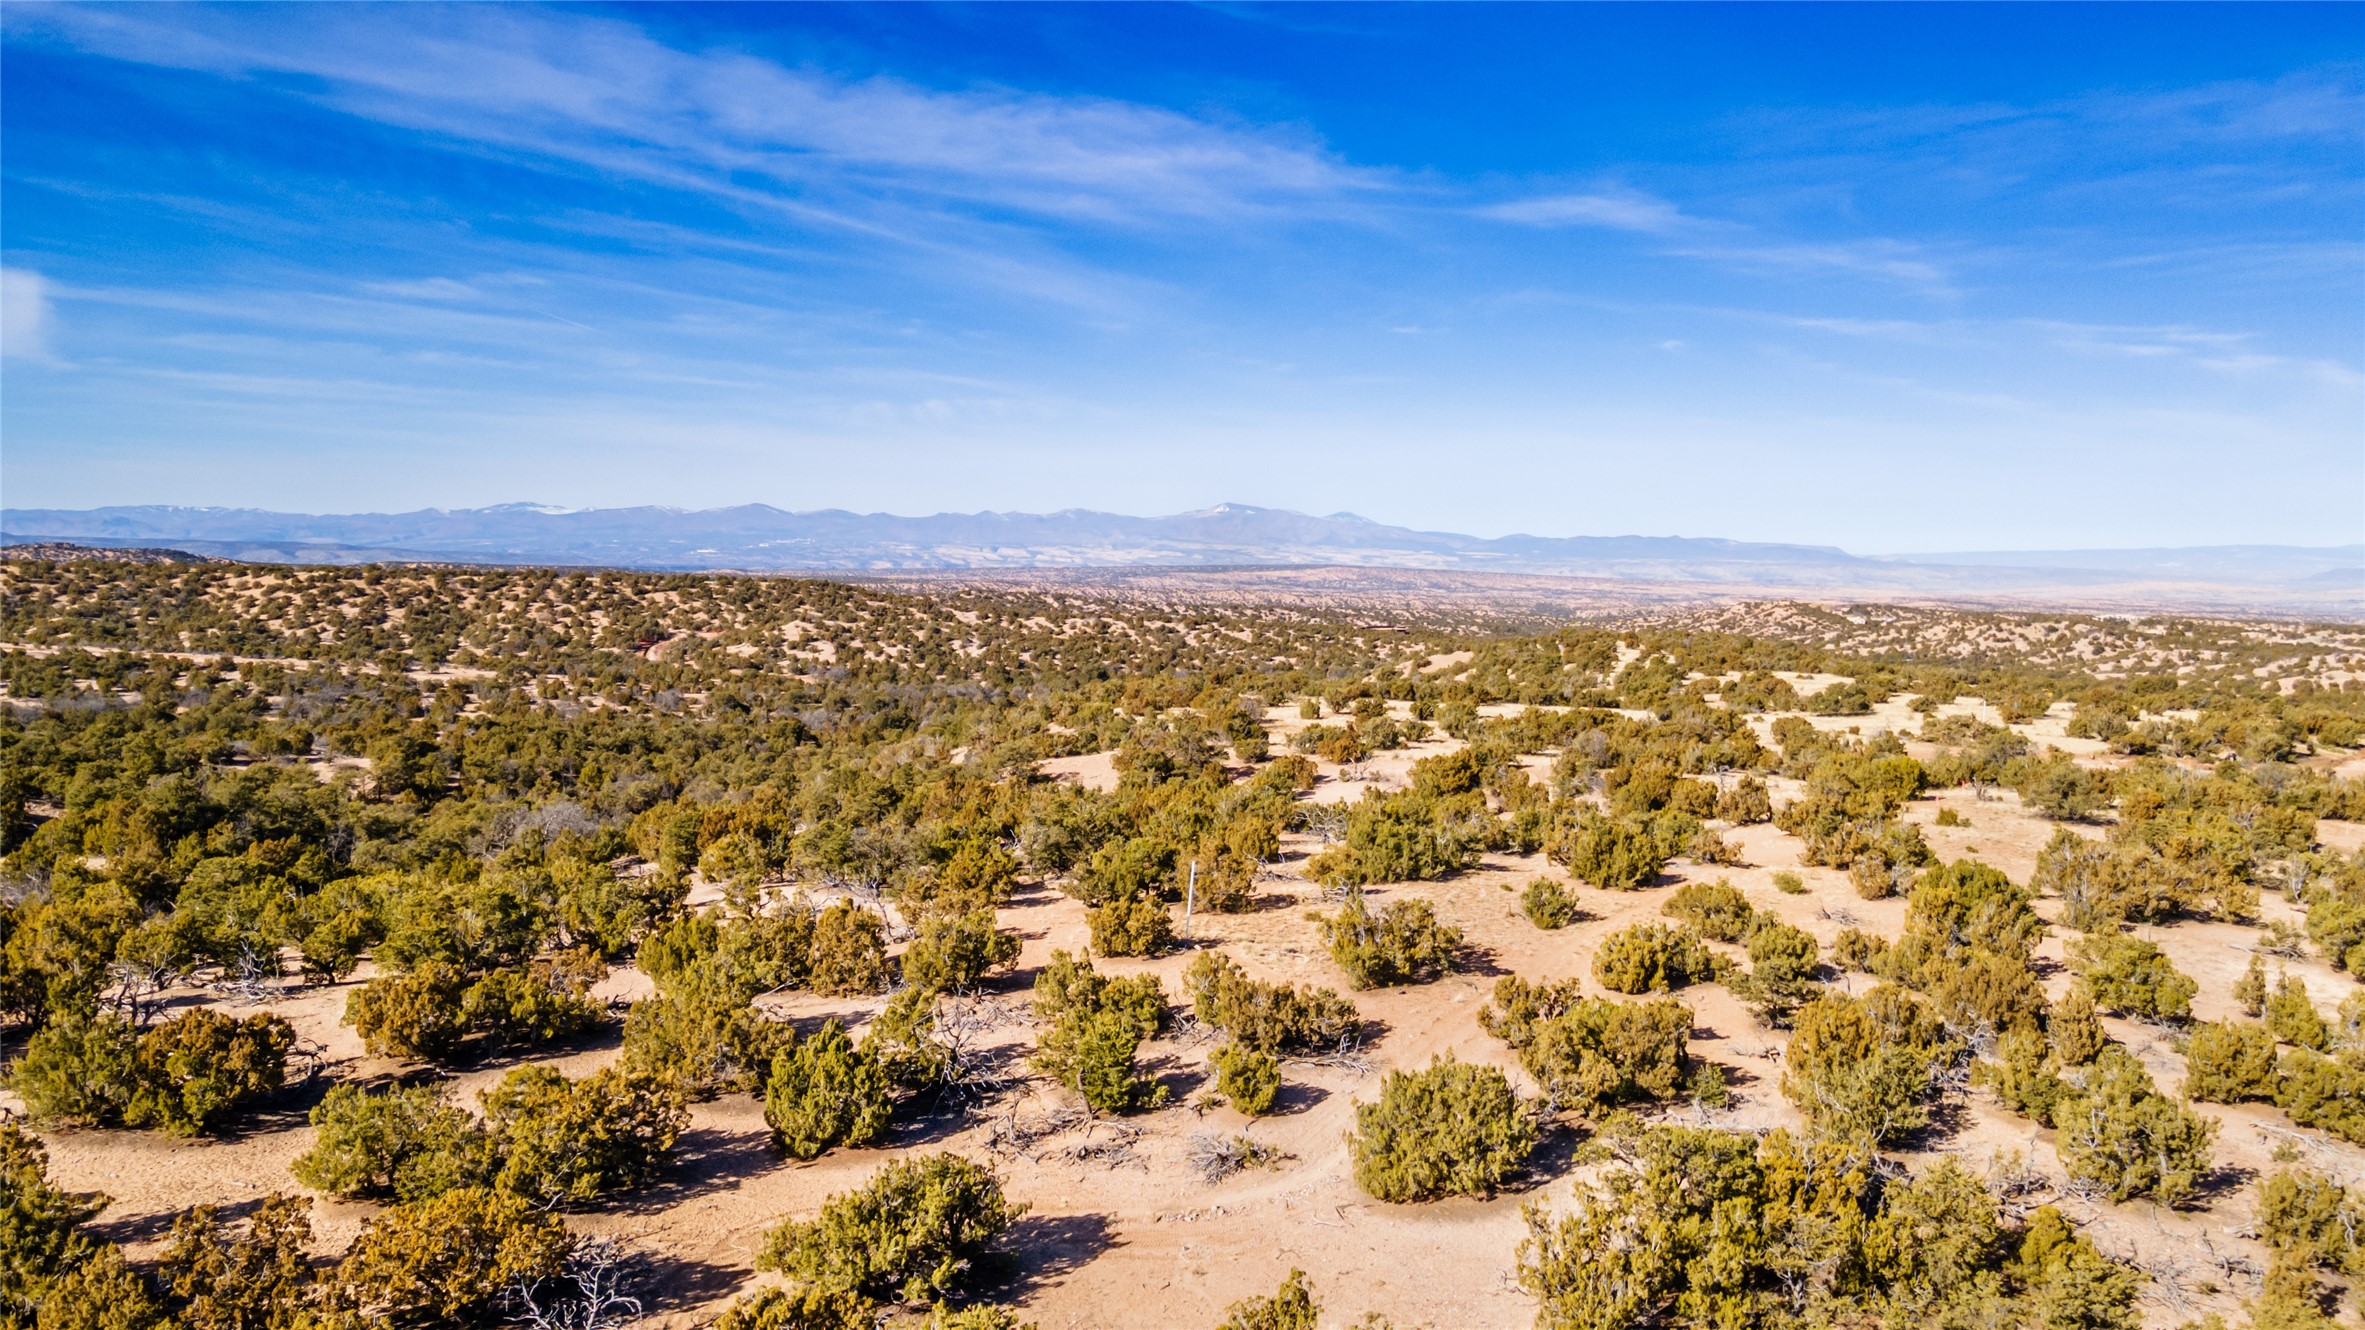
x=1728, y=1228
x=489, y=787
x=459, y=1257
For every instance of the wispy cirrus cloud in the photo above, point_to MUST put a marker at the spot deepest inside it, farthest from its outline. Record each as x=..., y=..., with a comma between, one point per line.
x=606, y=96
x=2202, y=348
x=2321, y=105
x=1724, y=242
x=429, y=288
x=1616, y=209
x=1882, y=258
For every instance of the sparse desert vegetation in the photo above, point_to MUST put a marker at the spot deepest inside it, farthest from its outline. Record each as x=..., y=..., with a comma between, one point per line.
x=452, y=946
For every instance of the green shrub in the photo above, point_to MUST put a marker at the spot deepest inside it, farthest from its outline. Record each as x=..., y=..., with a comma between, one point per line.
x=1613, y=855
x=1789, y=883
x=1692, y=798
x=79, y=1069
x=607, y=911
x=415, y=1015
x=1092, y=1052
x=979, y=870
x=2289, y=1298
x=1706, y=847
x=1967, y=906
x=567, y=1141
x=405, y=1143
x=38, y=1240
x=1589, y=1054
x=2102, y=886
x=1783, y=962
x=2066, y=1282
x=1068, y=983
x=2310, y=1221
x=2348, y=1031
x=2034, y=1069
x=942, y=1317
x=953, y=953
x=548, y=1000
x=911, y=1233
x=1854, y=949
x=1860, y=1069
x=1746, y=803
x=451, y=1259
x=2124, y=1135
x=1418, y=835
x=1455, y=1129
x=1549, y=904
x=1227, y=877
x=728, y=961
x=1982, y=990
x=825, y=1093
x=1097, y=1027
x=849, y=953
x=2025, y=1075
x=1131, y=926
x=702, y=1040
x=1715, y=910
x=1289, y=772
x=2336, y=915
x=2077, y=1036
x=904, y=1042
x=2133, y=977
x=1840, y=829
x=1271, y=1018
x=1292, y=1307
x=99, y=1292
x=2228, y=1063
x=1873, y=878
x=1969, y=933
x=1402, y=944
x=184, y=1076
x=1653, y=958
x=2293, y=1017
x=1339, y=744
x=2327, y=1093
x=800, y=1309
x=1247, y=1078
x=2250, y=989
x=2060, y=788
x=1123, y=869
x=216, y=1280
x=1703, y=1227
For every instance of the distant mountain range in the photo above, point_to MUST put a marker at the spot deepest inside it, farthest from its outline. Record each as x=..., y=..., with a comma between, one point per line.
x=759, y=538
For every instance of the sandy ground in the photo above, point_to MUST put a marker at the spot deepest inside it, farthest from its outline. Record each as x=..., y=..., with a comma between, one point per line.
x=1096, y=771
x=1128, y=1235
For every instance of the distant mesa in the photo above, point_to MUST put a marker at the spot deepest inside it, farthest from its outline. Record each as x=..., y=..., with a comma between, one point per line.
x=66, y=552
x=761, y=538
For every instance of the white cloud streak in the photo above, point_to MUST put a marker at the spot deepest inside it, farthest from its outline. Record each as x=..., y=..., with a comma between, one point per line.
x=1617, y=210
x=2217, y=352
x=1887, y=260
x=25, y=316
x=605, y=96
x=1727, y=243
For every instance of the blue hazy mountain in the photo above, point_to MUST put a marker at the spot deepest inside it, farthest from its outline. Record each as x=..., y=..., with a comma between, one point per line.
x=758, y=537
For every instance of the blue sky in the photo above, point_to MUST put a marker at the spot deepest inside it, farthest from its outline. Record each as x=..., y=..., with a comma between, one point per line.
x=1923, y=277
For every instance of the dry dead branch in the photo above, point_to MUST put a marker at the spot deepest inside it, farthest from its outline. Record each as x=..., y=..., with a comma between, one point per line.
x=1215, y=1158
